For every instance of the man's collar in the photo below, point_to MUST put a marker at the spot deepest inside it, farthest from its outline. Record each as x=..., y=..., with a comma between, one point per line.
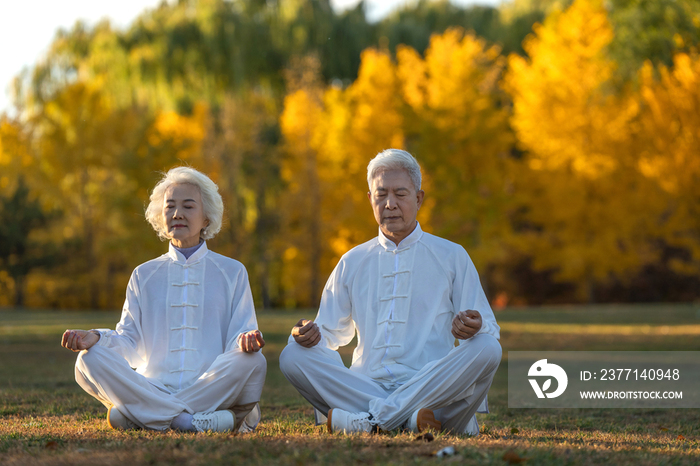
x=177, y=256
x=414, y=237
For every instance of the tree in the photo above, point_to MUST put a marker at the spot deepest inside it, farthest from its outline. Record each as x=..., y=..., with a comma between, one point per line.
x=653, y=31
x=302, y=204
x=98, y=164
x=24, y=242
x=457, y=127
x=670, y=143
x=19, y=252
x=331, y=134
x=446, y=108
x=241, y=152
x=588, y=210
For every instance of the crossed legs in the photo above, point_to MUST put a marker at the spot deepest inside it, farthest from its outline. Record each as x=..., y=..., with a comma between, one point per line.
x=234, y=381
x=453, y=387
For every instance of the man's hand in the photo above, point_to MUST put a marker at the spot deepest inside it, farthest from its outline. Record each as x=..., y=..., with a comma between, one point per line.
x=466, y=324
x=251, y=342
x=306, y=333
x=78, y=340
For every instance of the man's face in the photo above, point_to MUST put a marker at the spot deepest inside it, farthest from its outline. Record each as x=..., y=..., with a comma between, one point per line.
x=395, y=202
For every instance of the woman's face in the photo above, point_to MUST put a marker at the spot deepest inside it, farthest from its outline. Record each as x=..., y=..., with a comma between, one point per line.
x=184, y=214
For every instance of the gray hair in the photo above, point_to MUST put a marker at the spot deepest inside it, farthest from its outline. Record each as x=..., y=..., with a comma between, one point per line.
x=212, y=204
x=392, y=159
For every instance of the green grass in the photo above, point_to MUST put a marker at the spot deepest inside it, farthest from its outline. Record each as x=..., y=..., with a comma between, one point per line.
x=45, y=418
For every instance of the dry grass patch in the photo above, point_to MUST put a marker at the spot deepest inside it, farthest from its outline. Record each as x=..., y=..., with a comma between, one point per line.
x=291, y=439
x=46, y=419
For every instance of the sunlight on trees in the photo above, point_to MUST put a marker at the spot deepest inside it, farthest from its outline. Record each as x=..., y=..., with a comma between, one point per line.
x=669, y=129
x=568, y=159
x=587, y=212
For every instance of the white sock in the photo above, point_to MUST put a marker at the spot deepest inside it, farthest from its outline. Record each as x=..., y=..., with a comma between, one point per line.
x=182, y=421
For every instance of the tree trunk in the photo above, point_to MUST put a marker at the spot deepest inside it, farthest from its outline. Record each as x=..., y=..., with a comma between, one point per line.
x=88, y=232
x=314, y=230
x=19, y=290
x=590, y=291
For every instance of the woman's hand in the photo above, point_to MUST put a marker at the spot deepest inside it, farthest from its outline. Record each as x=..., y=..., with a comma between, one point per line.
x=78, y=340
x=251, y=342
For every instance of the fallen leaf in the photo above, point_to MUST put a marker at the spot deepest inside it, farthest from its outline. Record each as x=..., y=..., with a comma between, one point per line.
x=51, y=445
x=680, y=437
x=514, y=430
x=663, y=428
x=427, y=437
x=511, y=457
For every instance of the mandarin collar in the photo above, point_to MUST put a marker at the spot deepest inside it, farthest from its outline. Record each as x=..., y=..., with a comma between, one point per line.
x=178, y=257
x=411, y=239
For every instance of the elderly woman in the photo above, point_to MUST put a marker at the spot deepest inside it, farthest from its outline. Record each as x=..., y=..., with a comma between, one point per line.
x=188, y=327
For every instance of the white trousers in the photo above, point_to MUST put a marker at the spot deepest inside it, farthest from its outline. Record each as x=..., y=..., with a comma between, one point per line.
x=234, y=381
x=453, y=387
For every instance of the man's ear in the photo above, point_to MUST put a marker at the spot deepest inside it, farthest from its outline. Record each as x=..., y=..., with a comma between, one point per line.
x=419, y=196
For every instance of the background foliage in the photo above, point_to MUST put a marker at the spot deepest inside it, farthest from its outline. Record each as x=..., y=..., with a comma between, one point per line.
x=559, y=142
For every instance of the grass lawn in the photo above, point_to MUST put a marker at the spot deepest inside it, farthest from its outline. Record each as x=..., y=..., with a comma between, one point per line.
x=45, y=418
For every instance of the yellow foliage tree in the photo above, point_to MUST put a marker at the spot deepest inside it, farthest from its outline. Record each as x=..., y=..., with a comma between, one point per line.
x=446, y=108
x=562, y=107
x=588, y=212
x=98, y=164
x=361, y=121
x=457, y=127
x=669, y=129
x=331, y=134
x=302, y=202
x=15, y=153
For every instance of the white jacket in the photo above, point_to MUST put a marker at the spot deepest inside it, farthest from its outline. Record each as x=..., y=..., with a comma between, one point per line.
x=180, y=315
x=402, y=301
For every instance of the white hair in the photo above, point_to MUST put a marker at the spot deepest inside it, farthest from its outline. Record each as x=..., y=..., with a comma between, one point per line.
x=212, y=204
x=392, y=159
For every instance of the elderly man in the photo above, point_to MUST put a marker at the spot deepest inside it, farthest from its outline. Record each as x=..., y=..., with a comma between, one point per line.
x=408, y=294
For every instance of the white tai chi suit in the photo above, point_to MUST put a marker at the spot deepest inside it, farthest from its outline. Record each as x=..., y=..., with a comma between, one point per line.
x=401, y=300
x=179, y=330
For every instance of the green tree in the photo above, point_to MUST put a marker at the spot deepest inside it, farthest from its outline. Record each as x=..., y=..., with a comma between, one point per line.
x=242, y=151
x=20, y=253
x=653, y=30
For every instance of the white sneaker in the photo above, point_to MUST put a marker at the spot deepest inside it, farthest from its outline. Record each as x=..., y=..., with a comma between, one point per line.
x=117, y=420
x=422, y=420
x=350, y=423
x=214, y=421
x=251, y=421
